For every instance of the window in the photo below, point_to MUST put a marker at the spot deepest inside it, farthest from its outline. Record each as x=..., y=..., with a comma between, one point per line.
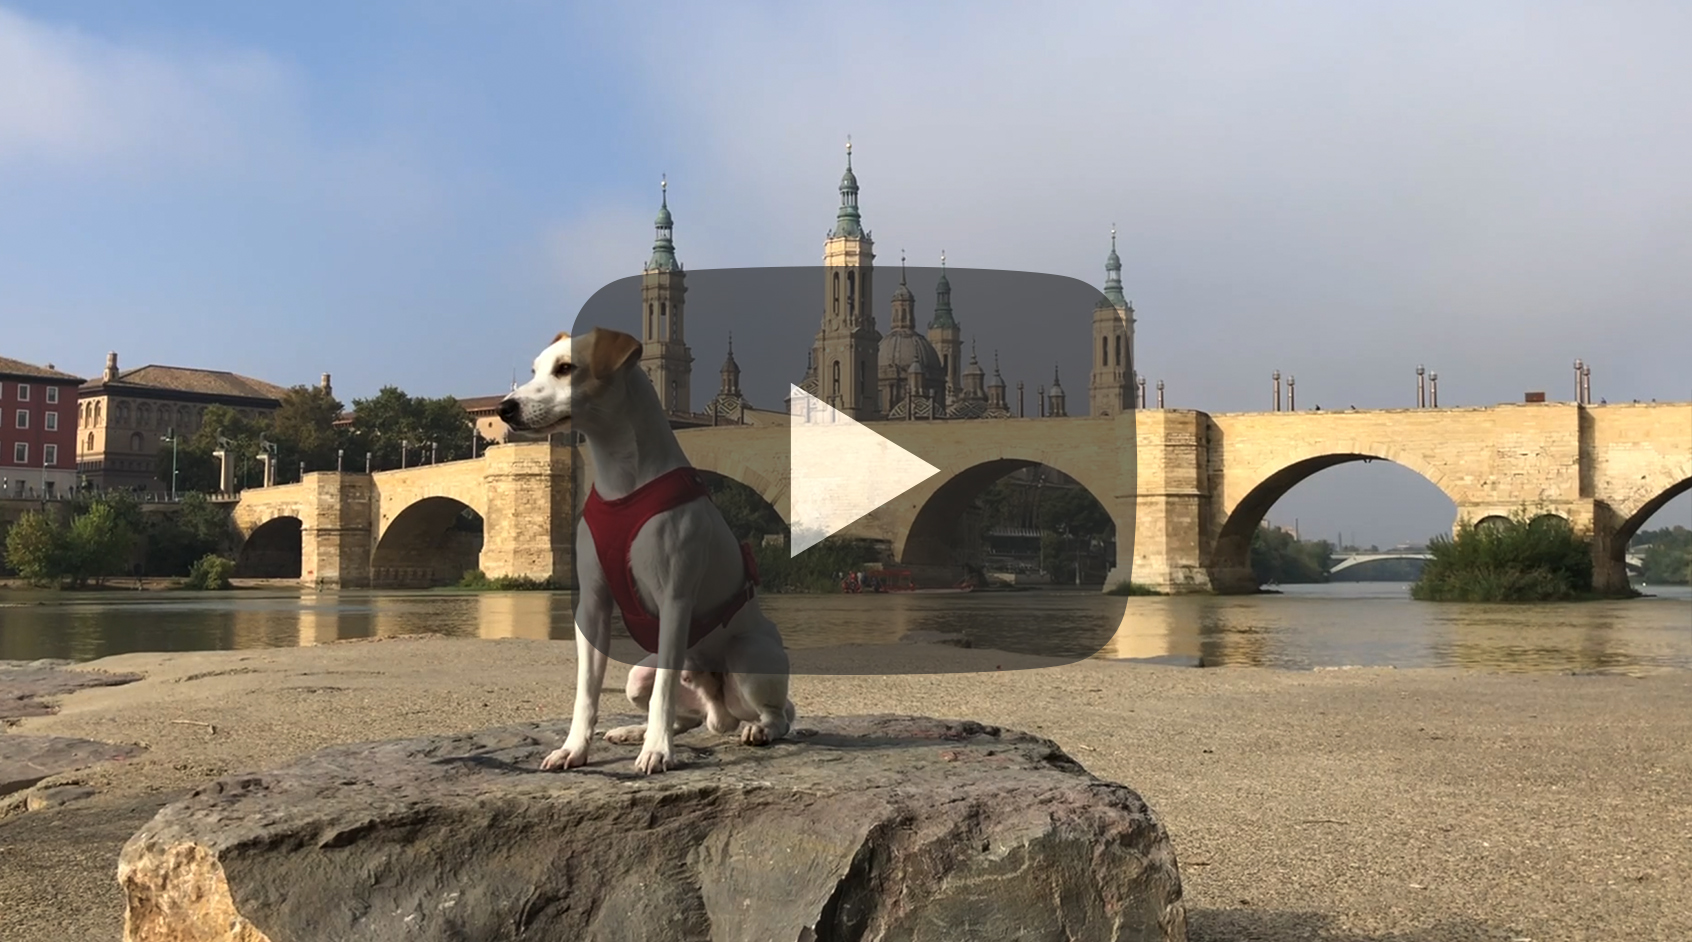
x=20, y=453
x=52, y=394
x=23, y=392
x=1104, y=351
x=837, y=380
x=1118, y=349
x=90, y=445
x=136, y=441
x=22, y=419
x=52, y=421
x=49, y=456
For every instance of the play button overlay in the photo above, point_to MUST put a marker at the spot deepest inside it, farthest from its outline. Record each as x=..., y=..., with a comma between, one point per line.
x=840, y=470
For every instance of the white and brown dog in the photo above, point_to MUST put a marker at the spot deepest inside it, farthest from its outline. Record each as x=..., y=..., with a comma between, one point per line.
x=651, y=541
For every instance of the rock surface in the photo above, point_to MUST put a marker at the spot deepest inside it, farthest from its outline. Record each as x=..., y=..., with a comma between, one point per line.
x=860, y=828
x=25, y=760
x=24, y=683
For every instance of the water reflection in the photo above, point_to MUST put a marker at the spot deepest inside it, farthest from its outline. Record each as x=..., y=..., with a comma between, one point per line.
x=1308, y=626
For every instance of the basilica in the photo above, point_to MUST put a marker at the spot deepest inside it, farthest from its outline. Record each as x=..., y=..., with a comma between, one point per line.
x=906, y=373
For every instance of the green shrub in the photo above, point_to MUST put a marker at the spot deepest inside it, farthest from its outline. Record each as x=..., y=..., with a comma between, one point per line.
x=46, y=552
x=210, y=572
x=1132, y=588
x=1522, y=559
x=479, y=581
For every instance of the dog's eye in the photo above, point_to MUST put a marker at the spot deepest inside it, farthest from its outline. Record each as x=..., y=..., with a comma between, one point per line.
x=562, y=369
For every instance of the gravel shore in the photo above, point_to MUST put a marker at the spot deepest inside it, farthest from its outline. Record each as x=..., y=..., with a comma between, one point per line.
x=1347, y=805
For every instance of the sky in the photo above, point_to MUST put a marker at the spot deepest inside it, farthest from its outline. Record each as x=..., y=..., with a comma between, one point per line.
x=422, y=193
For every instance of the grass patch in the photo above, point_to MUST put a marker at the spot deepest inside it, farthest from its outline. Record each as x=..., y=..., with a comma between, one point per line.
x=1131, y=588
x=1521, y=559
x=478, y=581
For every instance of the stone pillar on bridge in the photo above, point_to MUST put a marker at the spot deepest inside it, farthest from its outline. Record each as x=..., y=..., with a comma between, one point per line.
x=335, y=536
x=1171, y=490
x=532, y=491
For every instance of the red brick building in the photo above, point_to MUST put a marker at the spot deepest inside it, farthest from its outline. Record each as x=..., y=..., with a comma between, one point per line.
x=37, y=430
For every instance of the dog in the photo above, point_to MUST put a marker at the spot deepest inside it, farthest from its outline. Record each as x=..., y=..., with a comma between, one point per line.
x=714, y=658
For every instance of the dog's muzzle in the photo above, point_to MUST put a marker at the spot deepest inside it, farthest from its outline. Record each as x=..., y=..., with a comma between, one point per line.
x=510, y=411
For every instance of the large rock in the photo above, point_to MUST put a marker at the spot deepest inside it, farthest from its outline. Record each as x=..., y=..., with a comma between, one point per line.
x=864, y=828
x=24, y=684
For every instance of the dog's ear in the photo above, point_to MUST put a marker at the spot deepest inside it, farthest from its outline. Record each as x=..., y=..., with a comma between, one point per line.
x=611, y=351
x=562, y=335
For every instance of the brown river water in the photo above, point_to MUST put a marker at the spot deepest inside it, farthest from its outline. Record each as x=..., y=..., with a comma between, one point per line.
x=1304, y=627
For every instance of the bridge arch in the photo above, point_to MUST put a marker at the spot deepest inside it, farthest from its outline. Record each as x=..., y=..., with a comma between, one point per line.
x=931, y=538
x=431, y=542
x=272, y=549
x=1231, y=563
x=1634, y=522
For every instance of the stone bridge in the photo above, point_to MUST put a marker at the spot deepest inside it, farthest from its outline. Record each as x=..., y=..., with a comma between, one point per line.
x=1190, y=487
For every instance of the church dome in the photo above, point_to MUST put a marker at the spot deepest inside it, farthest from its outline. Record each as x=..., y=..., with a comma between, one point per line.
x=900, y=347
x=903, y=292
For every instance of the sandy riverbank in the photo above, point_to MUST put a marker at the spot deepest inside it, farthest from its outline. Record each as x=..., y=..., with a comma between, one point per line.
x=1410, y=806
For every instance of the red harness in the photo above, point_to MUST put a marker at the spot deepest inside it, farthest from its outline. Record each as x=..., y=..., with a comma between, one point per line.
x=614, y=524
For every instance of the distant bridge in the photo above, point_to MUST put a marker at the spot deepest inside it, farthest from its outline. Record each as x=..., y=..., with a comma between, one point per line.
x=1342, y=563
x=1634, y=562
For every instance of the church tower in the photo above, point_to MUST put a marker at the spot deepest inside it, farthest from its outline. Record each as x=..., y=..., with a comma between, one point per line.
x=664, y=354
x=1110, y=390
x=847, y=349
x=946, y=336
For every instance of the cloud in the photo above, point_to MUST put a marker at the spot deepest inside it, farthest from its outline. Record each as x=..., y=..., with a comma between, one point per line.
x=1352, y=188
x=67, y=97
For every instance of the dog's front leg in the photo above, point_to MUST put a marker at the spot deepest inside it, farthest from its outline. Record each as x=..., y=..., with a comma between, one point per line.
x=593, y=640
x=657, y=753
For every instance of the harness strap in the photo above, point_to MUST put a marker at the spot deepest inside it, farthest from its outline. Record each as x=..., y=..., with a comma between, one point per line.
x=614, y=524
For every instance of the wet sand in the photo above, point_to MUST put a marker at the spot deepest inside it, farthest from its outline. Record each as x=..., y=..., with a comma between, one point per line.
x=1368, y=805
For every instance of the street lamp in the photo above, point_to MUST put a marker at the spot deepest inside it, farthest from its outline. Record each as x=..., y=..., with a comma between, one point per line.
x=404, y=445
x=170, y=436
x=339, y=453
x=1421, y=387
x=1578, y=368
x=1433, y=389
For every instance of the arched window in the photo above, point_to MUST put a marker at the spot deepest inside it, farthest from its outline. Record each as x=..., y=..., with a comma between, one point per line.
x=664, y=318
x=96, y=412
x=851, y=294
x=1118, y=349
x=651, y=324
x=836, y=294
x=123, y=413
x=90, y=446
x=836, y=379
x=136, y=441
x=1104, y=351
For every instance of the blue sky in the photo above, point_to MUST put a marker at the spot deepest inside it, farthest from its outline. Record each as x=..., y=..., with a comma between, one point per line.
x=419, y=193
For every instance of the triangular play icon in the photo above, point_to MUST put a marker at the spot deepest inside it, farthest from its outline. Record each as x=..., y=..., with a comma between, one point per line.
x=840, y=470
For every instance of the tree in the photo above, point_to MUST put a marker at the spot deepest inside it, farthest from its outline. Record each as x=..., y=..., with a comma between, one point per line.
x=196, y=463
x=390, y=420
x=98, y=545
x=35, y=548
x=303, y=428
x=95, y=545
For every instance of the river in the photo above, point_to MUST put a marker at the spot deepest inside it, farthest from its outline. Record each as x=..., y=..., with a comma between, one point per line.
x=1304, y=627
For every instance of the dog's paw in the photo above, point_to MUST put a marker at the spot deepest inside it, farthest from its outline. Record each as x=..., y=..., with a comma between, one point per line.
x=568, y=756
x=655, y=759
x=626, y=735
x=721, y=721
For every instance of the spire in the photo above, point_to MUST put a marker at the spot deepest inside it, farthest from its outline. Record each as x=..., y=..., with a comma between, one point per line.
x=663, y=246
x=1113, y=273
x=847, y=223
x=942, y=299
x=998, y=380
x=903, y=292
x=730, y=372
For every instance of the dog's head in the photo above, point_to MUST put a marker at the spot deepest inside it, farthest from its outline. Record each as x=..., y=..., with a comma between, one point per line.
x=574, y=376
